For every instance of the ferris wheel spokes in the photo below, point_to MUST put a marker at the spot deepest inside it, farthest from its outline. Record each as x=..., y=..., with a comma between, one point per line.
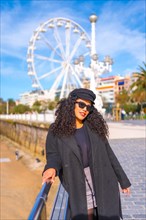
x=57, y=44
x=48, y=74
x=47, y=58
x=50, y=46
x=64, y=82
x=86, y=54
x=56, y=83
x=58, y=40
x=74, y=49
x=76, y=77
x=67, y=35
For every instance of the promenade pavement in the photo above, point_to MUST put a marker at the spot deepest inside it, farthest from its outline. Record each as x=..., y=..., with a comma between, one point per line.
x=127, y=139
x=127, y=129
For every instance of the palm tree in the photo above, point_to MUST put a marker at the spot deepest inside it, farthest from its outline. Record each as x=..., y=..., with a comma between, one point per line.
x=139, y=87
x=122, y=98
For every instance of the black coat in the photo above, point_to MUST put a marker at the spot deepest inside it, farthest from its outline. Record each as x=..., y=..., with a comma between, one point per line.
x=63, y=154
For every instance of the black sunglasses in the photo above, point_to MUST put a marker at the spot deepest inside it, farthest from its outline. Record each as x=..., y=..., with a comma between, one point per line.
x=83, y=105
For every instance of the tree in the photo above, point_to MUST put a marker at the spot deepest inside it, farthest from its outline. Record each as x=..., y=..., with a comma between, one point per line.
x=21, y=109
x=123, y=98
x=139, y=87
x=36, y=106
x=11, y=105
x=44, y=105
x=2, y=106
x=52, y=105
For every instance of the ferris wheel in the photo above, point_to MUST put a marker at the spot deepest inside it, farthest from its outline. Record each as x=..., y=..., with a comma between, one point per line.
x=56, y=57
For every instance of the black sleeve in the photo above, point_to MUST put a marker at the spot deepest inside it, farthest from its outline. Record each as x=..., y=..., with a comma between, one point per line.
x=120, y=174
x=52, y=155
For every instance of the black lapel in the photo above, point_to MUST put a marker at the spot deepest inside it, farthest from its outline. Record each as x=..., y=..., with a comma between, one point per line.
x=71, y=143
x=94, y=140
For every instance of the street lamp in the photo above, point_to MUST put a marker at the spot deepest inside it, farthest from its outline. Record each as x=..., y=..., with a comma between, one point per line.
x=97, y=67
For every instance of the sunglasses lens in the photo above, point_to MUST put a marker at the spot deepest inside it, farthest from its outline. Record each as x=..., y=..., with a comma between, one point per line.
x=83, y=105
x=88, y=108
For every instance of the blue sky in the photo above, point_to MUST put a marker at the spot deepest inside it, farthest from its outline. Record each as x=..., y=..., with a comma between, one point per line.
x=120, y=33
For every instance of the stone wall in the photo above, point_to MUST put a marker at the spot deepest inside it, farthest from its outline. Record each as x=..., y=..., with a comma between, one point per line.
x=31, y=137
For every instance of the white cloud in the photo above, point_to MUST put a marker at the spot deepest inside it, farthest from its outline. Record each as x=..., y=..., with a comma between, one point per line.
x=17, y=25
x=117, y=30
x=114, y=34
x=114, y=39
x=119, y=33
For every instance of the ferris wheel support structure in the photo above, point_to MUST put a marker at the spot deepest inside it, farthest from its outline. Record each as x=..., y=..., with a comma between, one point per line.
x=61, y=56
x=53, y=53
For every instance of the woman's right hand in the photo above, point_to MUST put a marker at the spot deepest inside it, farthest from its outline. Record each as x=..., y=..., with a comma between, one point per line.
x=49, y=176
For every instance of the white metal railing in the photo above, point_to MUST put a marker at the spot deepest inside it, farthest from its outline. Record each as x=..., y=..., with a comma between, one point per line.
x=42, y=117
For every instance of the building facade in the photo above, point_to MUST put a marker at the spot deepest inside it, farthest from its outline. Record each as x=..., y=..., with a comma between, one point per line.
x=107, y=88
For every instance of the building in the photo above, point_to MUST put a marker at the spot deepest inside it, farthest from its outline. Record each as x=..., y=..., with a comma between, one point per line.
x=122, y=83
x=28, y=98
x=107, y=87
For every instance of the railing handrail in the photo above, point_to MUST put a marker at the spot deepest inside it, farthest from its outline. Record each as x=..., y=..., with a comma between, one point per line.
x=40, y=202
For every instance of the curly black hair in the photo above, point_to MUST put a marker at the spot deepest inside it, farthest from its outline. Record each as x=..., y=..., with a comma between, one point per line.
x=65, y=123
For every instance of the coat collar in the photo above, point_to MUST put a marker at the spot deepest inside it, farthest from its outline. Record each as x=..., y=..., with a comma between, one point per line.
x=94, y=141
x=71, y=143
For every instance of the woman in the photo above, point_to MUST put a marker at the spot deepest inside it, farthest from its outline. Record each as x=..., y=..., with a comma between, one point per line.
x=77, y=150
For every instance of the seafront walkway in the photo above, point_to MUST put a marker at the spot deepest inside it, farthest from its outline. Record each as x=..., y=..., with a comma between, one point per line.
x=127, y=139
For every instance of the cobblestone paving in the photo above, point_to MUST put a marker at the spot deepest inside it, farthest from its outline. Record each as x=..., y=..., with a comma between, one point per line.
x=132, y=155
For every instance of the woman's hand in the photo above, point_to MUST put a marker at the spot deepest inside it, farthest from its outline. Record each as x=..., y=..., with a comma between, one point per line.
x=49, y=176
x=126, y=191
